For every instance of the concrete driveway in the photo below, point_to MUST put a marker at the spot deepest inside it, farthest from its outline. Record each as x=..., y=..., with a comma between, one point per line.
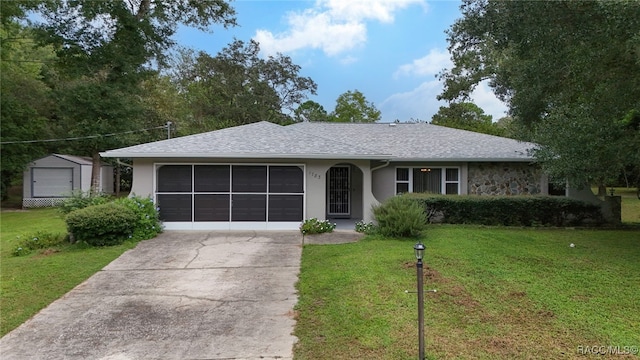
x=182, y=295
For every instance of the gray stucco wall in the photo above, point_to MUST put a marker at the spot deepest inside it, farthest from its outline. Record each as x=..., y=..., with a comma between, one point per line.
x=506, y=179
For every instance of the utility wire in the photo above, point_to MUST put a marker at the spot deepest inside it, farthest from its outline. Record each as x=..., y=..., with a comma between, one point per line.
x=79, y=137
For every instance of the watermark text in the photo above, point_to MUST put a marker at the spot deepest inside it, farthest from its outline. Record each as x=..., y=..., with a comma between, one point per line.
x=606, y=350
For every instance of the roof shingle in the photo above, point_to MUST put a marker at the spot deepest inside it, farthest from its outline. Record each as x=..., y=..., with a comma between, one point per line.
x=396, y=142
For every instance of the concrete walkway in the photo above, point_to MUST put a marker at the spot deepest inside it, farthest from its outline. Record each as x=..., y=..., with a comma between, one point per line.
x=182, y=295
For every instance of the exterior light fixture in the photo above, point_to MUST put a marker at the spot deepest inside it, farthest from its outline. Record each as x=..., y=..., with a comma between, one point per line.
x=419, y=251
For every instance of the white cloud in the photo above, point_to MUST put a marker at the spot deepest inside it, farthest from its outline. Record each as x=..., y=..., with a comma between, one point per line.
x=483, y=97
x=422, y=103
x=333, y=26
x=419, y=103
x=431, y=64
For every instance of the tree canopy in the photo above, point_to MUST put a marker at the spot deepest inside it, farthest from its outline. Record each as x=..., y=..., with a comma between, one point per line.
x=238, y=87
x=101, y=55
x=352, y=106
x=466, y=116
x=310, y=111
x=559, y=65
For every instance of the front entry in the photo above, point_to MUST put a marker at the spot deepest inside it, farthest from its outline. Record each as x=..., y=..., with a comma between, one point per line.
x=339, y=191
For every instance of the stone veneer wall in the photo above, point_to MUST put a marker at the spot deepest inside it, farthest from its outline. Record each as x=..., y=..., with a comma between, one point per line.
x=504, y=179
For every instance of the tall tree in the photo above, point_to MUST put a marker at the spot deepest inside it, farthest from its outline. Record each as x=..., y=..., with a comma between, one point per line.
x=466, y=116
x=106, y=49
x=558, y=64
x=25, y=101
x=310, y=111
x=352, y=106
x=237, y=86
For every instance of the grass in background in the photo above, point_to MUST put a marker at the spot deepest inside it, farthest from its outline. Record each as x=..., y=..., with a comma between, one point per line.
x=30, y=283
x=502, y=294
x=630, y=204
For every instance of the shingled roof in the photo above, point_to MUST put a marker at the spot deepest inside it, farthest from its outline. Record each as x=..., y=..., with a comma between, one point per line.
x=258, y=140
x=395, y=142
x=421, y=141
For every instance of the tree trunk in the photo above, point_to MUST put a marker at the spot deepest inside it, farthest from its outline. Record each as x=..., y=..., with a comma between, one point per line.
x=95, y=174
x=602, y=190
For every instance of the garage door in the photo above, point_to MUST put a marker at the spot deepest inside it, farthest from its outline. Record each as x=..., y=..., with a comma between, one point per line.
x=51, y=182
x=228, y=196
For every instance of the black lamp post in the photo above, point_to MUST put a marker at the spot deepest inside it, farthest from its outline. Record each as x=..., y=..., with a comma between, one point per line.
x=419, y=251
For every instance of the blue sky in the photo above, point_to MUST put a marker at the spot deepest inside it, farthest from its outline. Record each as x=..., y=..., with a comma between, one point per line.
x=390, y=50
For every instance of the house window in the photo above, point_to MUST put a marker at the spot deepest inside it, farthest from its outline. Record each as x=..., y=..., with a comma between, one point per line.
x=428, y=179
x=402, y=180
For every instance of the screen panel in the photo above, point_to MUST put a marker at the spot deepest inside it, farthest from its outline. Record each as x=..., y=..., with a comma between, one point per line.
x=249, y=178
x=211, y=207
x=174, y=207
x=286, y=207
x=249, y=207
x=286, y=179
x=174, y=178
x=212, y=178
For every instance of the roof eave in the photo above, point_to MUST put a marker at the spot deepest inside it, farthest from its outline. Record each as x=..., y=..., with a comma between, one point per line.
x=400, y=159
x=110, y=154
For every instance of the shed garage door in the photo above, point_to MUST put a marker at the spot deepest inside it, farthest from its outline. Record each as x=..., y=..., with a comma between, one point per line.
x=227, y=196
x=51, y=182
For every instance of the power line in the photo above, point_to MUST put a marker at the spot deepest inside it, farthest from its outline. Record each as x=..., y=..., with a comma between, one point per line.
x=79, y=137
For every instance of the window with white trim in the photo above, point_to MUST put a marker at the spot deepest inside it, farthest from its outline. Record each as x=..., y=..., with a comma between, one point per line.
x=428, y=179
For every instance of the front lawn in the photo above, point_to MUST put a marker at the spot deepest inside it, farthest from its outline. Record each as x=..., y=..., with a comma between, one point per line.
x=502, y=293
x=30, y=283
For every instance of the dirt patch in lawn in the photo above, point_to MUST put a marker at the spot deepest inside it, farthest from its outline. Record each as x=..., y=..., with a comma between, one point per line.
x=506, y=325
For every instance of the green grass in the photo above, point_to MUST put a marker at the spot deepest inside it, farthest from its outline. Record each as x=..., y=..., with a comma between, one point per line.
x=630, y=204
x=503, y=293
x=29, y=283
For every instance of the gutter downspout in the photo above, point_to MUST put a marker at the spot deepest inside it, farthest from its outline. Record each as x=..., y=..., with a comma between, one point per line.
x=381, y=166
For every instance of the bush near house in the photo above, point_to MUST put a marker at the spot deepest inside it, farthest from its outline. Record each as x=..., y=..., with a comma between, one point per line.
x=114, y=222
x=400, y=216
x=508, y=210
x=100, y=225
x=82, y=199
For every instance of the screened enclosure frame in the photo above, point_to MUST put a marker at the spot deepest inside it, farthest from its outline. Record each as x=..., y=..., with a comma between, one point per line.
x=232, y=192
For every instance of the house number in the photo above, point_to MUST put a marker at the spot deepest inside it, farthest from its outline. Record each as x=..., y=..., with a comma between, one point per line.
x=315, y=175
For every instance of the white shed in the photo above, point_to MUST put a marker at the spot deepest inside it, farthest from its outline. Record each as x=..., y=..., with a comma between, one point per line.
x=49, y=180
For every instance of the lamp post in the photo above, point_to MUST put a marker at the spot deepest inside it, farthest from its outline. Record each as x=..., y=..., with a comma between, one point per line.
x=419, y=252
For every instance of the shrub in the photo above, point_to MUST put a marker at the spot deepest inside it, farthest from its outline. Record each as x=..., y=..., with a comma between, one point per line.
x=365, y=227
x=400, y=216
x=36, y=241
x=508, y=210
x=107, y=224
x=80, y=200
x=148, y=223
x=315, y=226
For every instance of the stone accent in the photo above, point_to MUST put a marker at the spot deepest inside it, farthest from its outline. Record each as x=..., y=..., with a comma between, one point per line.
x=504, y=179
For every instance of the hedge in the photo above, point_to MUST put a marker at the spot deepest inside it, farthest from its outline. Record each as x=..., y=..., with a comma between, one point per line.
x=508, y=210
x=100, y=225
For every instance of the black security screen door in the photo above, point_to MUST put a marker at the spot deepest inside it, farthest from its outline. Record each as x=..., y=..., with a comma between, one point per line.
x=339, y=194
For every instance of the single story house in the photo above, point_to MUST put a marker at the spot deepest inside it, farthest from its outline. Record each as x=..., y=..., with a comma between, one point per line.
x=268, y=176
x=51, y=179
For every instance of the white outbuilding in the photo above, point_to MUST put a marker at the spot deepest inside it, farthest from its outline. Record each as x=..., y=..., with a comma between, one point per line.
x=49, y=180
